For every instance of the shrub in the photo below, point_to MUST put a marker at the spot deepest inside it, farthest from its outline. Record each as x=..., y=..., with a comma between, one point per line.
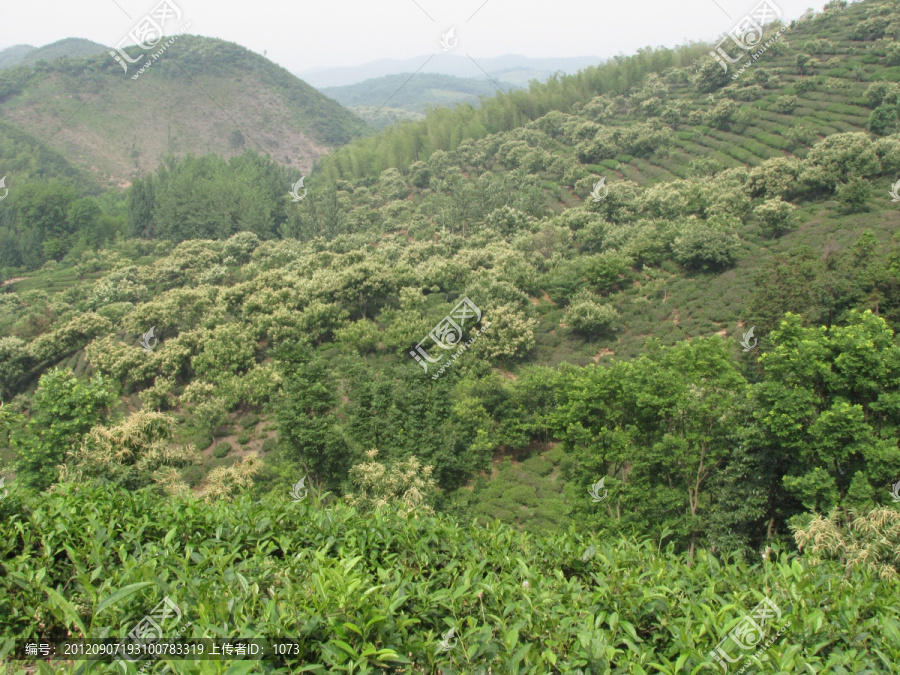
x=837, y=158
x=872, y=541
x=391, y=185
x=269, y=444
x=722, y=116
x=406, y=483
x=892, y=54
x=882, y=92
x=192, y=475
x=225, y=481
x=775, y=216
x=807, y=84
x=854, y=194
x=419, y=174
x=709, y=76
x=785, y=104
x=883, y=120
x=135, y=453
x=702, y=247
x=803, y=63
x=776, y=177
x=243, y=438
x=538, y=465
x=870, y=29
x=521, y=495
x=587, y=315
x=222, y=449
x=751, y=93
x=249, y=421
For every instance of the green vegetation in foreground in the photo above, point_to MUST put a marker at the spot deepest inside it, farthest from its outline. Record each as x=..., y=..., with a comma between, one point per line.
x=375, y=591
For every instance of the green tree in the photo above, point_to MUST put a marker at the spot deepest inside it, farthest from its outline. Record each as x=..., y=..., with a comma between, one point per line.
x=828, y=407
x=63, y=411
x=854, y=194
x=308, y=427
x=775, y=216
x=587, y=315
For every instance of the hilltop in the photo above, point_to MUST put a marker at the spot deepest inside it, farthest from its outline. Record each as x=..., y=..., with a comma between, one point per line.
x=203, y=95
x=70, y=48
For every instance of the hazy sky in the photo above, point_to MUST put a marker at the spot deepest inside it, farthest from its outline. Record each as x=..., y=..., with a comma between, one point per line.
x=303, y=35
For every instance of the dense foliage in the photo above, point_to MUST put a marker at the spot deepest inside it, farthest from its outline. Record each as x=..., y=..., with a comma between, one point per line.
x=364, y=591
x=686, y=293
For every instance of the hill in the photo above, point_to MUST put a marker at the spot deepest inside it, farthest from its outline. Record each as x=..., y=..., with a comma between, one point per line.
x=11, y=56
x=25, y=158
x=70, y=48
x=213, y=95
x=516, y=69
x=415, y=92
x=409, y=93
x=738, y=268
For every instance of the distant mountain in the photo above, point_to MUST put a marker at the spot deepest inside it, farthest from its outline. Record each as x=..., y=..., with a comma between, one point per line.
x=202, y=95
x=72, y=48
x=404, y=93
x=511, y=68
x=12, y=56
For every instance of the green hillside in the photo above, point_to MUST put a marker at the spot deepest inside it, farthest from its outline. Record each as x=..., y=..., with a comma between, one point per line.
x=645, y=316
x=25, y=158
x=777, y=108
x=213, y=95
x=69, y=48
x=413, y=94
x=11, y=56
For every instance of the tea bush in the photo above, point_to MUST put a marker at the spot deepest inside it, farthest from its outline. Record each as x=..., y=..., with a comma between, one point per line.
x=363, y=591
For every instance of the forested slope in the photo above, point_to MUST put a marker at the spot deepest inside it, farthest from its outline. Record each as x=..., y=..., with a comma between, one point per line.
x=644, y=301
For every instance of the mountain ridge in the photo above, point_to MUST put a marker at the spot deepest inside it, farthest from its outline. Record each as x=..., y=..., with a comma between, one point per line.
x=194, y=89
x=450, y=64
x=73, y=48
